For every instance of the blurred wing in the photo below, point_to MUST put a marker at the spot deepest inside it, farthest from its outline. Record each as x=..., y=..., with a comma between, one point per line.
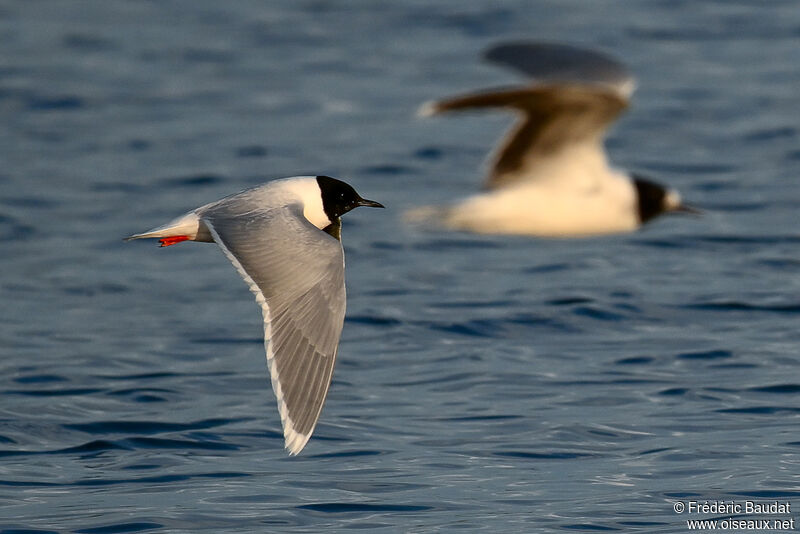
x=551, y=63
x=296, y=272
x=556, y=119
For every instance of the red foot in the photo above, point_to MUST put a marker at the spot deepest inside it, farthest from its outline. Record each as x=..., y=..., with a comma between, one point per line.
x=167, y=241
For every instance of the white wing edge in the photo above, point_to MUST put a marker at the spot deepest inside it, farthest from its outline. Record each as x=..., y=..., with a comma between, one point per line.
x=626, y=88
x=294, y=441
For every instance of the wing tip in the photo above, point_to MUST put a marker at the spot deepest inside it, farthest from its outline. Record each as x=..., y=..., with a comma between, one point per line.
x=627, y=88
x=428, y=109
x=294, y=442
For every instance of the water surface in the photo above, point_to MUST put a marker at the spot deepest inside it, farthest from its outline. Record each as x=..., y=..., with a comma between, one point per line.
x=485, y=384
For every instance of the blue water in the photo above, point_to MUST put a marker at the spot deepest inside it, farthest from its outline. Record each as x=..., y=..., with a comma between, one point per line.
x=485, y=384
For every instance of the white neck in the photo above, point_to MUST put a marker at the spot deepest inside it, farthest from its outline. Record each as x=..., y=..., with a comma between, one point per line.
x=307, y=190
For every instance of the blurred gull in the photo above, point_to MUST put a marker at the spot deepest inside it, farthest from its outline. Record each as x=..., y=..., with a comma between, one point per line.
x=550, y=175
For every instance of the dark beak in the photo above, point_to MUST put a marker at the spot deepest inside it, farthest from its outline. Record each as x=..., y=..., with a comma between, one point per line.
x=689, y=210
x=369, y=203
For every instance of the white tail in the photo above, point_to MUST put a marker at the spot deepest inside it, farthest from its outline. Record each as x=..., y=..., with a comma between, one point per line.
x=427, y=215
x=185, y=225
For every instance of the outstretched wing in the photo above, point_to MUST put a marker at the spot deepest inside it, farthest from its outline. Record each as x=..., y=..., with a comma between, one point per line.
x=554, y=63
x=555, y=119
x=573, y=96
x=296, y=272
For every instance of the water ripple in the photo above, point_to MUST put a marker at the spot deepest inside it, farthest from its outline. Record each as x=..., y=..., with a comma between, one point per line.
x=736, y=305
x=778, y=388
x=146, y=427
x=197, y=180
x=121, y=528
x=55, y=103
x=705, y=355
x=348, y=507
x=761, y=410
x=552, y=455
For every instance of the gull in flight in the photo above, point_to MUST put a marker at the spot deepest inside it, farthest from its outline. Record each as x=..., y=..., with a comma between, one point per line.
x=550, y=175
x=284, y=238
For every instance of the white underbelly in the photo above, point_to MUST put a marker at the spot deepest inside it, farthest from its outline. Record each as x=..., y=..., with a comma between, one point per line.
x=549, y=211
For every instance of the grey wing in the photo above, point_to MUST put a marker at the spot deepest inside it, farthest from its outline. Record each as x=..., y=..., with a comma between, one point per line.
x=296, y=272
x=555, y=119
x=550, y=63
